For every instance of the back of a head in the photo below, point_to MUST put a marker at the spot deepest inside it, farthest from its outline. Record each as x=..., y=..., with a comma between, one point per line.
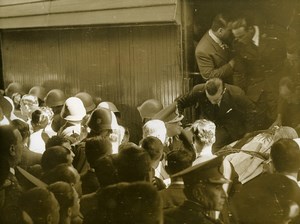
x=40, y=203
x=204, y=131
x=106, y=170
x=178, y=160
x=220, y=21
x=131, y=203
x=22, y=126
x=64, y=194
x=285, y=132
x=285, y=154
x=213, y=85
x=57, y=140
x=62, y=172
x=154, y=147
x=54, y=156
x=142, y=204
x=97, y=147
x=39, y=118
x=133, y=163
x=155, y=128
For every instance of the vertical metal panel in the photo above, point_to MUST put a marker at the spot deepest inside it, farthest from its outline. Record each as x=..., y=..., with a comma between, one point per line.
x=125, y=65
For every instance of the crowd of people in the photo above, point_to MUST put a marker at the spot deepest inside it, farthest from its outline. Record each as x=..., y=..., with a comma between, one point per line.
x=70, y=159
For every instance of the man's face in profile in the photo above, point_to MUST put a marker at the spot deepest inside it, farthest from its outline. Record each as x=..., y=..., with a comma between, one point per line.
x=226, y=34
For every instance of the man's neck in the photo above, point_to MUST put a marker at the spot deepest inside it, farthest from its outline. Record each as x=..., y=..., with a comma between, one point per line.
x=204, y=150
x=207, y=150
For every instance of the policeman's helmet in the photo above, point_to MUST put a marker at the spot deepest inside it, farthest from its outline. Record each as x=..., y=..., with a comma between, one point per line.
x=38, y=91
x=87, y=101
x=14, y=87
x=102, y=119
x=55, y=97
x=110, y=106
x=73, y=109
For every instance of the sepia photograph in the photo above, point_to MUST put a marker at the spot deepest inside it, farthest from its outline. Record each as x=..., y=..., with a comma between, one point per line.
x=150, y=111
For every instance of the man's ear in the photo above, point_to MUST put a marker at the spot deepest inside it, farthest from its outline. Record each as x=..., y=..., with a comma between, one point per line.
x=220, y=30
x=69, y=212
x=197, y=192
x=49, y=219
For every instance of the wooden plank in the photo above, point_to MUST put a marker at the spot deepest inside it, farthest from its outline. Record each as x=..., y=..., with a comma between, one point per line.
x=18, y=2
x=119, y=16
x=40, y=8
x=66, y=6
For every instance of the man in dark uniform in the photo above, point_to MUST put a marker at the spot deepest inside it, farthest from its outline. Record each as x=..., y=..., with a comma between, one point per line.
x=203, y=189
x=261, y=52
x=225, y=105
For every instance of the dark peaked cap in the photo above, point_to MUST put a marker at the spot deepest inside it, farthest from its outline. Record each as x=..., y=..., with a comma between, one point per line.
x=168, y=114
x=207, y=171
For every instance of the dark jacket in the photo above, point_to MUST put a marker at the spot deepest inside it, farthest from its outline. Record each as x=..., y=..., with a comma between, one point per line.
x=188, y=213
x=235, y=114
x=263, y=60
x=173, y=196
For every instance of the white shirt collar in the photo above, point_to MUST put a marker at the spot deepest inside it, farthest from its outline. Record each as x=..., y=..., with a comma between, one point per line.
x=293, y=178
x=216, y=39
x=12, y=170
x=255, y=38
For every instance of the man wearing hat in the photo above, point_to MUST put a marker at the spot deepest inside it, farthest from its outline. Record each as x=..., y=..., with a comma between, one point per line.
x=203, y=190
x=177, y=137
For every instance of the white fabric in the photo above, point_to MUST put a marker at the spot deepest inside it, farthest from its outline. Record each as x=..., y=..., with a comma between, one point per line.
x=69, y=131
x=216, y=39
x=36, y=142
x=248, y=166
x=255, y=38
x=4, y=121
x=49, y=131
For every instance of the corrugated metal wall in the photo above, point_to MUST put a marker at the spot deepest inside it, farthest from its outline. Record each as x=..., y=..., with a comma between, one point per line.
x=125, y=65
